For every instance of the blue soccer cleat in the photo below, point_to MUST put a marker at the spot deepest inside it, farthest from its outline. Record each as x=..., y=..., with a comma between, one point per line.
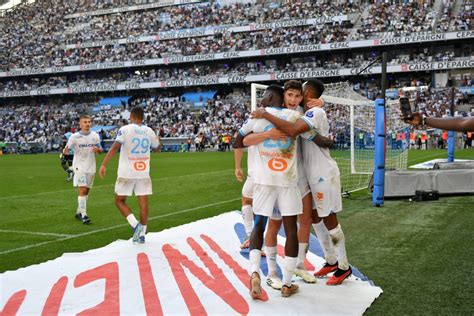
x=137, y=231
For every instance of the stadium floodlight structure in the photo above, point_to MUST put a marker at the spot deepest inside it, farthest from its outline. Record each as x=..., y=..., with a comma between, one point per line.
x=352, y=125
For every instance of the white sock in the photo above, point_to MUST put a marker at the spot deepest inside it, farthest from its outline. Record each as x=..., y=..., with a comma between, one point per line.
x=247, y=216
x=325, y=241
x=339, y=242
x=271, y=253
x=144, y=230
x=289, y=264
x=132, y=220
x=302, y=249
x=82, y=205
x=255, y=257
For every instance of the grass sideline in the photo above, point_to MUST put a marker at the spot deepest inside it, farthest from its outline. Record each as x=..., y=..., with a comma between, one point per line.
x=419, y=253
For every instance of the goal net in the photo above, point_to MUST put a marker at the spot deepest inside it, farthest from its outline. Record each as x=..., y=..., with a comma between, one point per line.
x=351, y=118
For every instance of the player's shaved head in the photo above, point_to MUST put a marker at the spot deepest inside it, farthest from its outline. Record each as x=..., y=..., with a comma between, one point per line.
x=137, y=113
x=85, y=117
x=314, y=87
x=273, y=96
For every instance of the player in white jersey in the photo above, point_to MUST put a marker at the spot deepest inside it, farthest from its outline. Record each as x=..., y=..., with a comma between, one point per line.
x=275, y=184
x=323, y=177
x=133, y=176
x=85, y=145
x=292, y=98
x=247, y=189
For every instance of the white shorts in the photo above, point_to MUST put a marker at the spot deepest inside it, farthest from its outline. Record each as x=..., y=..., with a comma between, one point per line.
x=327, y=196
x=126, y=187
x=83, y=179
x=247, y=190
x=268, y=197
x=304, y=188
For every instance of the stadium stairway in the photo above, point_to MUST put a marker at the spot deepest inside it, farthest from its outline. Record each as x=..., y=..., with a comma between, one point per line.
x=358, y=22
x=438, y=11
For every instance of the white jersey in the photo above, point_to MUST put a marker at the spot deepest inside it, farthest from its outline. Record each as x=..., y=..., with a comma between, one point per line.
x=251, y=154
x=318, y=162
x=82, y=145
x=136, y=140
x=275, y=162
x=301, y=170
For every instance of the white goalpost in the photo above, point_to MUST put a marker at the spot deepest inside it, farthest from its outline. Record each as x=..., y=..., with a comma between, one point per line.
x=352, y=124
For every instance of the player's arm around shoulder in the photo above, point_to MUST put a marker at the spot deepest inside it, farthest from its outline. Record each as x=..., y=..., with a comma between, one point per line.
x=257, y=138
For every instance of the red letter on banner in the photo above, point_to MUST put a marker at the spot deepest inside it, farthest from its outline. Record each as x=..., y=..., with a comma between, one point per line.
x=53, y=303
x=111, y=303
x=217, y=281
x=150, y=295
x=13, y=304
x=240, y=272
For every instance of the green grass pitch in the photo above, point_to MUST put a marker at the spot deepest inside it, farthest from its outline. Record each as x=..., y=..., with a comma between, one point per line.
x=419, y=253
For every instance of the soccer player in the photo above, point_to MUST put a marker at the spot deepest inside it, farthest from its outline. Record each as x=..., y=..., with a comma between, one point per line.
x=133, y=176
x=292, y=98
x=85, y=145
x=66, y=160
x=247, y=189
x=323, y=177
x=275, y=183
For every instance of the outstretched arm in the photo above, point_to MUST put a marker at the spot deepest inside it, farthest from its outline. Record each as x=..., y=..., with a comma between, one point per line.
x=460, y=124
x=291, y=129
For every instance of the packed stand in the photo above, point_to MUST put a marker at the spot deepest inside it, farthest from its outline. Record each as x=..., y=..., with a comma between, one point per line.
x=397, y=19
x=39, y=31
x=341, y=60
x=463, y=21
x=42, y=127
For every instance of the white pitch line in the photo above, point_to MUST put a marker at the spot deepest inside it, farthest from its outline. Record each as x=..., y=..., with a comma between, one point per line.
x=111, y=184
x=114, y=227
x=33, y=233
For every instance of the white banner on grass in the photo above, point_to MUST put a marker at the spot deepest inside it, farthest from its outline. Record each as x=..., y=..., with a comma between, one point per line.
x=196, y=268
x=214, y=80
x=289, y=50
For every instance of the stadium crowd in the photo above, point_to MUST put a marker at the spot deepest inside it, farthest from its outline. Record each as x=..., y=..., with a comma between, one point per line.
x=397, y=19
x=36, y=37
x=335, y=61
x=170, y=116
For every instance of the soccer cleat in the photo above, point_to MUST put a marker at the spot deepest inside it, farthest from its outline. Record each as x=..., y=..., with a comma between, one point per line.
x=305, y=275
x=137, y=231
x=339, y=276
x=255, y=287
x=86, y=220
x=78, y=216
x=287, y=291
x=245, y=244
x=274, y=282
x=326, y=269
